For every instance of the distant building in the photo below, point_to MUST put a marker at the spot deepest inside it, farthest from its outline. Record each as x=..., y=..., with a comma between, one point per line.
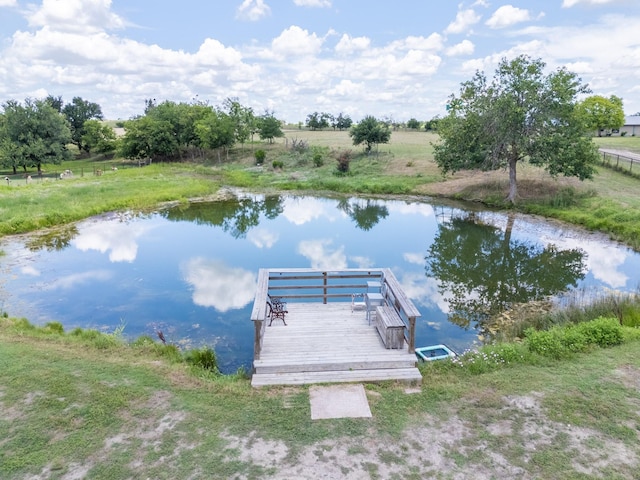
x=631, y=126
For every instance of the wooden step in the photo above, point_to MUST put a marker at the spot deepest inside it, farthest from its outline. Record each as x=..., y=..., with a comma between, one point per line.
x=404, y=375
x=332, y=364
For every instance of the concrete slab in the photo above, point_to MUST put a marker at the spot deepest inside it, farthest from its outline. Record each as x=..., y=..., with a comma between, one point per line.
x=339, y=401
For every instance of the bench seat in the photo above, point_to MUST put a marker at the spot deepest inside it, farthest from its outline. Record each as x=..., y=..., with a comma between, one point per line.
x=390, y=327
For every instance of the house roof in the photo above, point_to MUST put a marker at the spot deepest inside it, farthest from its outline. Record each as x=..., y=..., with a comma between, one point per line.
x=632, y=120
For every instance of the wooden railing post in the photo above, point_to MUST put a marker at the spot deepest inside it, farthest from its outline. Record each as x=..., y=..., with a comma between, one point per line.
x=324, y=299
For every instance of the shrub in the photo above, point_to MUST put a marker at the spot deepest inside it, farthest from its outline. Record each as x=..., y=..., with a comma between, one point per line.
x=204, y=358
x=54, y=327
x=604, y=332
x=545, y=342
x=277, y=164
x=260, y=156
x=299, y=146
x=318, y=161
x=344, y=159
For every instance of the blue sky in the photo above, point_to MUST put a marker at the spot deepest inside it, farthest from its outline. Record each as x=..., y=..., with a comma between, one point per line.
x=397, y=59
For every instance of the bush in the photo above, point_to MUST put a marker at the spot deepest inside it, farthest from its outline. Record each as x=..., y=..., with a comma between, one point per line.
x=204, y=358
x=54, y=327
x=545, y=342
x=277, y=164
x=260, y=156
x=604, y=332
x=344, y=159
x=318, y=161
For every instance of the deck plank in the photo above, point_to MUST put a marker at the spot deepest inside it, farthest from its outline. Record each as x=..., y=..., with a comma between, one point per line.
x=326, y=343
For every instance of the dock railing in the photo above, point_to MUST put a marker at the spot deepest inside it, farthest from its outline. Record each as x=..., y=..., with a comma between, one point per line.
x=310, y=285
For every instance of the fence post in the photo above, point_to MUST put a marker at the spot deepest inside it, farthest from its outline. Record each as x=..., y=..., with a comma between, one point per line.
x=324, y=275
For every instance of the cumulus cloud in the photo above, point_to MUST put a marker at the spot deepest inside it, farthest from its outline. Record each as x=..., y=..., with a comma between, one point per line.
x=8, y=3
x=464, y=20
x=312, y=3
x=295, y=41
x=119, y=239
x=80, y=16
x=348, y=44
x=465, y=47
x=253, y=10
x=508, y=15
x=263, y=238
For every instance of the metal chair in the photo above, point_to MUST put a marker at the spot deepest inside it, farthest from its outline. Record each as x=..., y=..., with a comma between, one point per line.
x=276, y=311
x=357, y=304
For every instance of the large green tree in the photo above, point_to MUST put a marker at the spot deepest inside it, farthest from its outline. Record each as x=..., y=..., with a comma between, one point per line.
x=216, y=131
x=521, y=115
x=370, y=131
x=77, y=112
x=602, y=114
x=32, y=134
x=269, y=127
x=98, y=137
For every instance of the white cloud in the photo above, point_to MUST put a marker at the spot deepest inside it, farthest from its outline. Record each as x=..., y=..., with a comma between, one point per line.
x=348, y=44
x=30, y=270
x=464, y=20
x=81, y=16
x=508, y=15
x=8, y=3
x=295, y=41
x=119, y=239
x=571, y=3
x=218, y=285
x=322, y=256
x=252, y=10
x=302, y=210
x=415, y=258
x=465, y=47
x=67, y=282
x=312, y=3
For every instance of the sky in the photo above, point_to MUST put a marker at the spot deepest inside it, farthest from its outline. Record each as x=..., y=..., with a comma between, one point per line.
x=395, y=60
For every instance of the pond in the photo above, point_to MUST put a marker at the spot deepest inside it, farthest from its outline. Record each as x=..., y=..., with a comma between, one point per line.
x=191, y=271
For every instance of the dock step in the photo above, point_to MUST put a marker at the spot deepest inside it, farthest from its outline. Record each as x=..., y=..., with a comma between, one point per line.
x=405, y=375
x=297, y=365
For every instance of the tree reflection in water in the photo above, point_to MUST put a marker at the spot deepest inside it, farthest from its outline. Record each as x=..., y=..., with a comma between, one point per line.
x=236, y=216
x=366, y=213
x=481, y=271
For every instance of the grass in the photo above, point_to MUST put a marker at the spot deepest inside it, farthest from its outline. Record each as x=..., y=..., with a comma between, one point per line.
x=609, y=203
x=73, y=408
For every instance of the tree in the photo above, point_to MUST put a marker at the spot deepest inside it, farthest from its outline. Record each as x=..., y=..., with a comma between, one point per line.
x=148, y=138
x=432, y=125
x=370, y=131
x=343, y=122
x=216, y=131
x=522, y=115
x=77, y=112
x=413, y=124
x=602, y=114
x=269, y=127
x=98, y=137
x=318, y=121
x=243, y=119
x=32, y=135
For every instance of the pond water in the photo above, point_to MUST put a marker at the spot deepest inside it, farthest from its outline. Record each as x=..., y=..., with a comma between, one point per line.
x=191, y=271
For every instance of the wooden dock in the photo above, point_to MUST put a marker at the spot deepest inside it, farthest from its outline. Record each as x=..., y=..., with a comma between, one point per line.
x=327, y=342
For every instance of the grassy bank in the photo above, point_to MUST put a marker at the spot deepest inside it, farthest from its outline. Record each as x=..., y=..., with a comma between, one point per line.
x=77, y=407
x=609, y=203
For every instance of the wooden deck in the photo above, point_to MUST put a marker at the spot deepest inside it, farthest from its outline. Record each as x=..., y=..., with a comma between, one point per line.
x=328, y=343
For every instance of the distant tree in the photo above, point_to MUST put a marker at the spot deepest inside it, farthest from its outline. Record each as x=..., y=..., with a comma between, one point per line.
x=370, y=131
x=243, y=119
x=216, y=131
x=98, y=137
x=55, y=102
x=602, y=114
x=148, y=138
x=413, y=124
x=522, y=115
x=32, y=135
x=77, y=112
x=269, y=127
x=343, y=122
x=318, y=121
x=432, y=125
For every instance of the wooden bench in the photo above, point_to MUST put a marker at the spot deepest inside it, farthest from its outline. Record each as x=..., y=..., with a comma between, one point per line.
x=390, y=327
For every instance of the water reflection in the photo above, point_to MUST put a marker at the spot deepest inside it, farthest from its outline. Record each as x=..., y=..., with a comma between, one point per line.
x=481, y=270
x=218, y=285
x=192, y=270
x=236, y=216
x=366, y=213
